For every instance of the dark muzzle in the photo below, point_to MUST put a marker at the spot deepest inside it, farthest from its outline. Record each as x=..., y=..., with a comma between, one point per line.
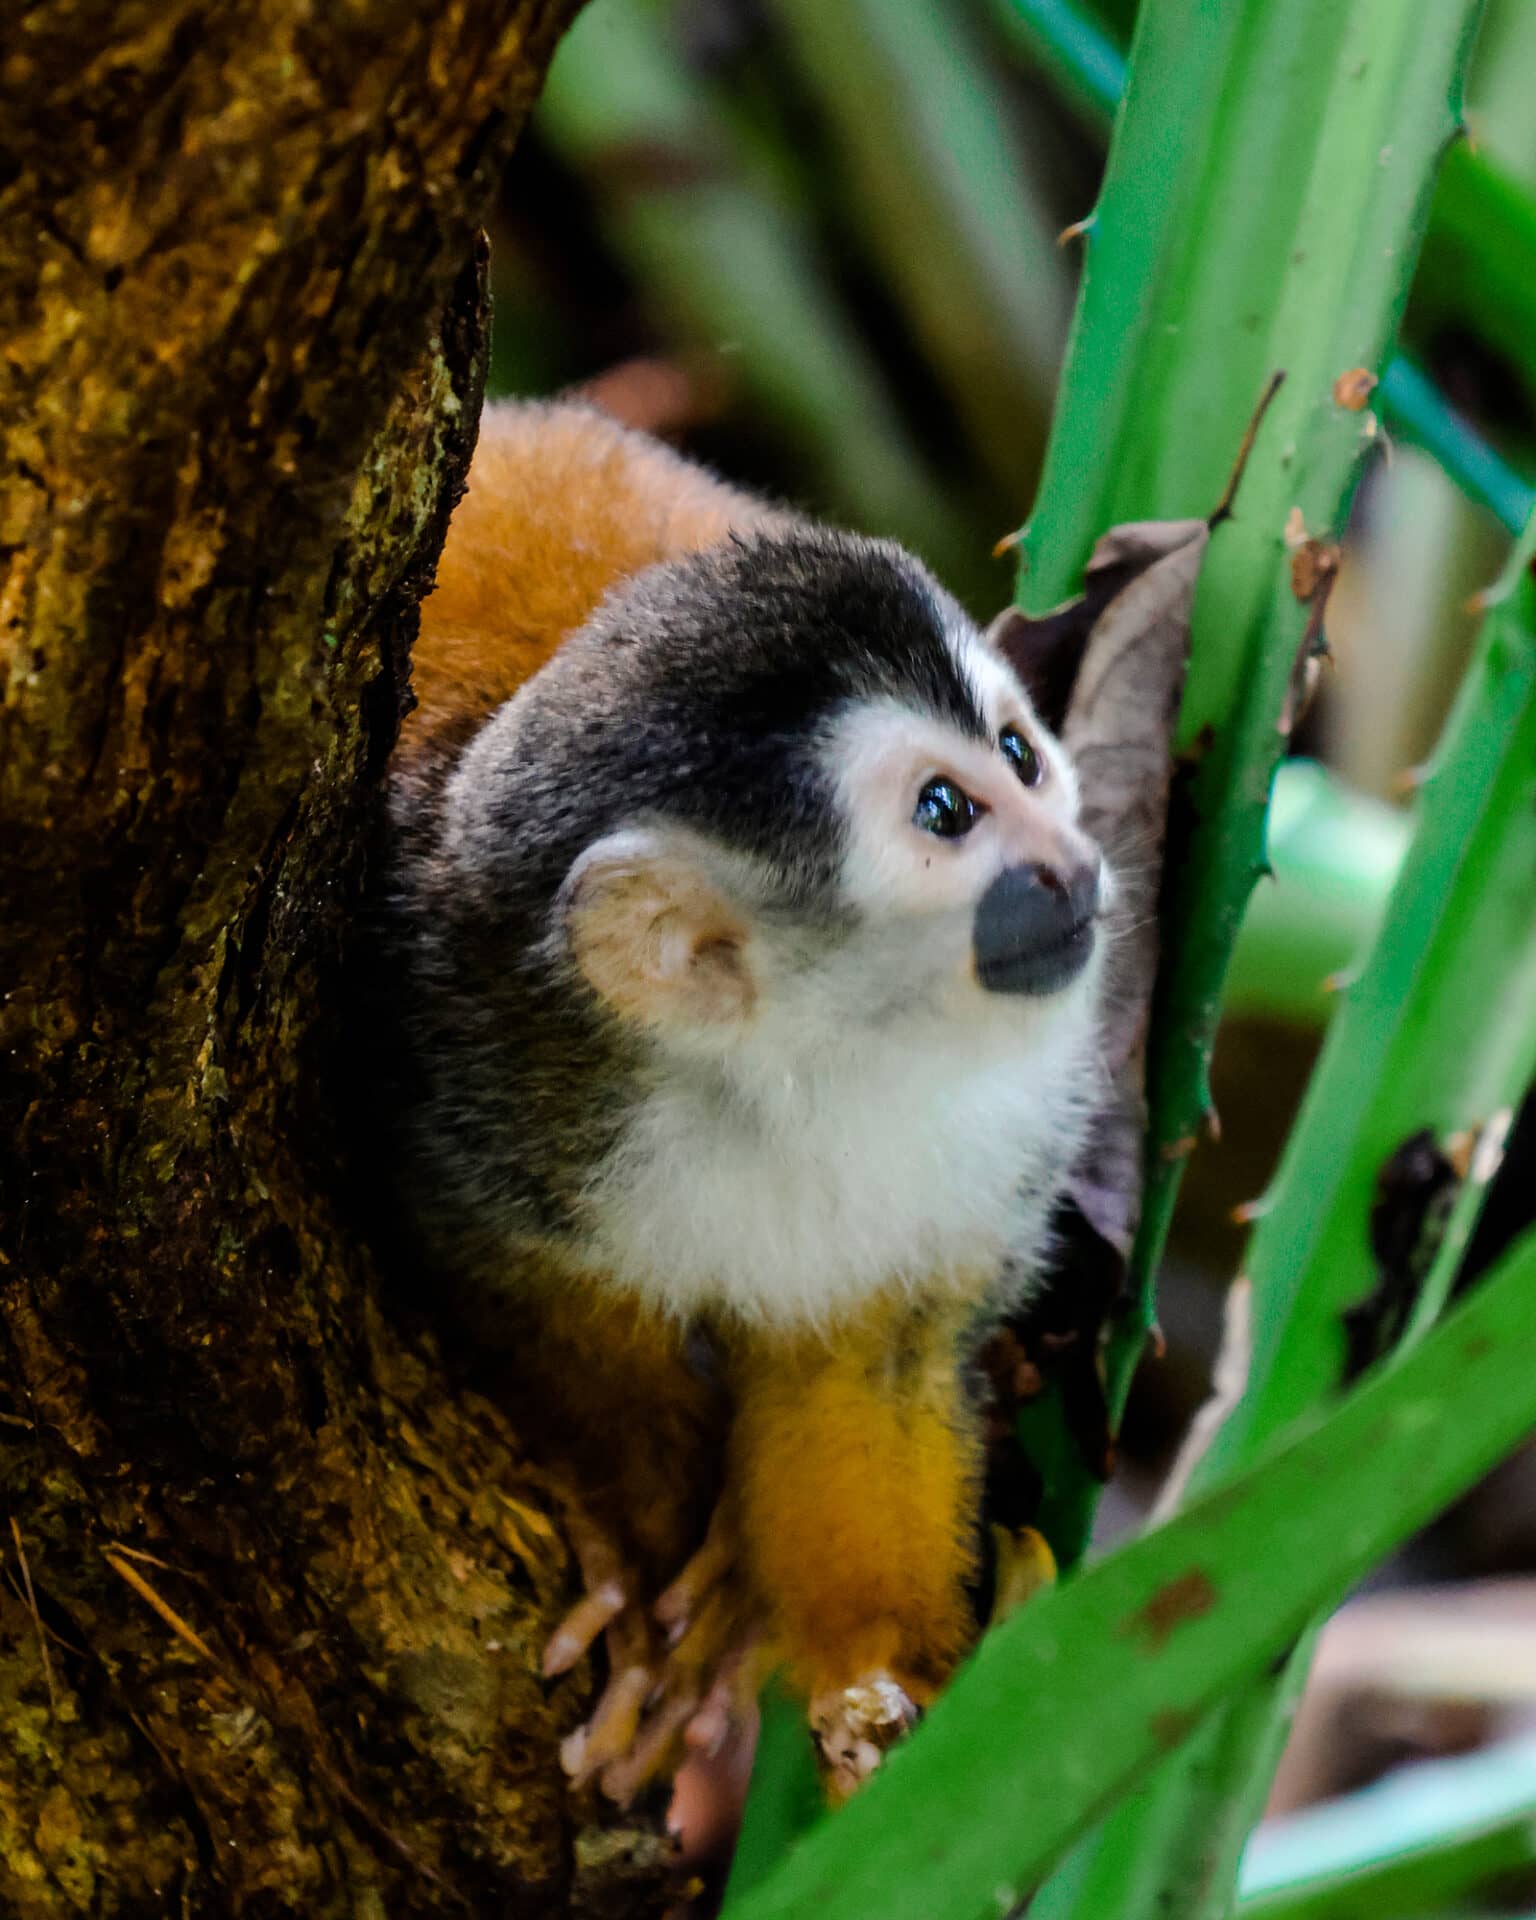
x=1034, y=928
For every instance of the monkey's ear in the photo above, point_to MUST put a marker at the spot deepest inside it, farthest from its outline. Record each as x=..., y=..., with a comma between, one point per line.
x=654, y=936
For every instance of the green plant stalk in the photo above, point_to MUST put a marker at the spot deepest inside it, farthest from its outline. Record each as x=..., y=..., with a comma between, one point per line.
x=1335, y=854
x=728, y=257
x=927, y=146
x=1412, y=1844
x=1478, y=266
x=1173, y=1826
x=1067, y=1703
x=1438, y=1033
x=1412, y=1051
x=1247, y=221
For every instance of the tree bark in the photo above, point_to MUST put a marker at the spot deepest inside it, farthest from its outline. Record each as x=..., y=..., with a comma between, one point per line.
x=274, y=1585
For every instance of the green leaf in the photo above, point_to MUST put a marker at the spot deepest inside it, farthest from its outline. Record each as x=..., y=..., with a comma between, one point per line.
x=1476, y=268
x=1066, y=1704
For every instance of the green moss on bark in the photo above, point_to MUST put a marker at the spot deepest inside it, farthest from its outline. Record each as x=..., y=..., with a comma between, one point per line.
x=291, y=1581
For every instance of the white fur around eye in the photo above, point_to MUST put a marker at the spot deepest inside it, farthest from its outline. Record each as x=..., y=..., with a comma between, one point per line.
x=1006, y=703
x=880, y=755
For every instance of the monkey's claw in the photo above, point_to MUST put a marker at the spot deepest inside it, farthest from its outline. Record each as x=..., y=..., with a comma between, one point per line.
x=679, y=1604
x=1025, y=1566
x=855, y=1727
x=682, y=1671
x=582, y=1625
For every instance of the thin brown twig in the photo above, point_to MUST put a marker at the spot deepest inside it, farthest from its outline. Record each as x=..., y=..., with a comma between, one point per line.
x=37, y=1618
x=53, y=1633
x=149, y=1560
x=1255, y=420
x=188, y=1634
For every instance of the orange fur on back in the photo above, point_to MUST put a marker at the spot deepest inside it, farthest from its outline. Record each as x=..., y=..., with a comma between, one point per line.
x=563, y=503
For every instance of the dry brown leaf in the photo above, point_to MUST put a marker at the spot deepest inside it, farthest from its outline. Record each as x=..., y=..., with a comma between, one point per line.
x=1313, y=566
x=1119, y=727
x=1107, y=671
x=1353, y=388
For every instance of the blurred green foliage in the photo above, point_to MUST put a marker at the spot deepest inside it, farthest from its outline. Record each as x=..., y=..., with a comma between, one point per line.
x=817, y=242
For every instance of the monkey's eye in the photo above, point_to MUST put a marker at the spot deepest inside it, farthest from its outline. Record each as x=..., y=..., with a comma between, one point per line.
x=943, y=809
x=1026, y=763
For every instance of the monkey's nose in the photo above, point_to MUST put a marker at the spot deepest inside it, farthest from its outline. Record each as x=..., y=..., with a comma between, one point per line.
x=1034, y=928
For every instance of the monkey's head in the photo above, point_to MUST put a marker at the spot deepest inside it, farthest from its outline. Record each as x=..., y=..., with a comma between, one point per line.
x=768, y=888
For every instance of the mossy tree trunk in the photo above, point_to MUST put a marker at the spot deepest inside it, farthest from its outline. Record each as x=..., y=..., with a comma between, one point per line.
x=273, y=1587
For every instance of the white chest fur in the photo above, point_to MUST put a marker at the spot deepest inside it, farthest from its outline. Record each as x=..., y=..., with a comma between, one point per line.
x=913, y=1158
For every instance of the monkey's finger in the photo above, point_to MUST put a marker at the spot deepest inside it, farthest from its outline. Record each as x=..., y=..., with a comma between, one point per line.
x=581, y=1626
x=597, y=1552
x=708, y=1567
x=708, y=1636
x=729, y=1702
x=1025, y=1566
x=653, y=1753
x=612, y=1729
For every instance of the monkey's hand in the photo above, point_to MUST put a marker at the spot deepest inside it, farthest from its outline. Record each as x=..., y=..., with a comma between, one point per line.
x=682, y=1672
x=854, y=1728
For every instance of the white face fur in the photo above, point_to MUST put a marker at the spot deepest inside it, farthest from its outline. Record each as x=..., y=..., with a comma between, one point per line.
x=871, y=1116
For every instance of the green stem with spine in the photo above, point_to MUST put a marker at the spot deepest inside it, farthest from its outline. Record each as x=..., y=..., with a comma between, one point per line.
x=1478, y=268
x=1065, y=1705
x=1437, y=1035
x=1267, y=233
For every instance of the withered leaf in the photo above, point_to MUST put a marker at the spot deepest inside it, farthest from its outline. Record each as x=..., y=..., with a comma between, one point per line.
x=1313, y=566
x=1107, y=671
x=1112, y=664
x=1353, y=388
x=1047, y=650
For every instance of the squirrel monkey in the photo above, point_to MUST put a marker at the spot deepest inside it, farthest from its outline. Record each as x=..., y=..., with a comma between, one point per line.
x=741, y=943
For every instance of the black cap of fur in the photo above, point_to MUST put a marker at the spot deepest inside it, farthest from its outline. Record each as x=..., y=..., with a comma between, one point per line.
x=699, y=693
